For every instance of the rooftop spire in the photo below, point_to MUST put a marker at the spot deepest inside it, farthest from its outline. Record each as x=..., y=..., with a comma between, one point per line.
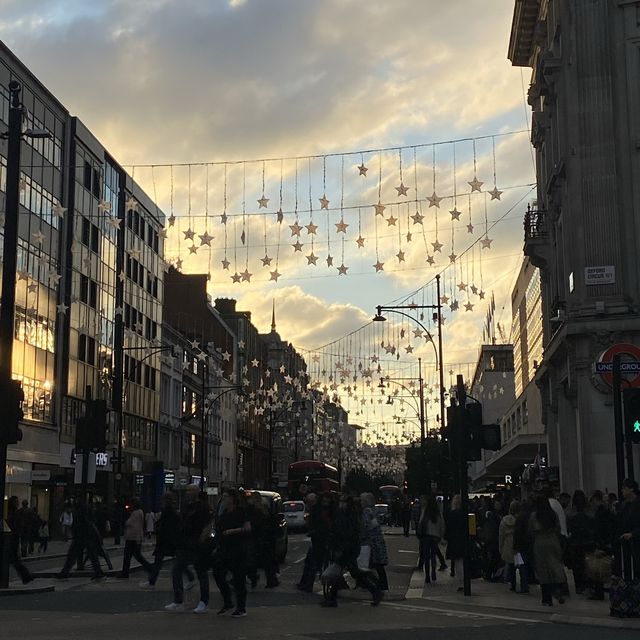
x=273, y=317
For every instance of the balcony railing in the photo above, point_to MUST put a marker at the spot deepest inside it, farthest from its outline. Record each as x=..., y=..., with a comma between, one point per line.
x=535, y=224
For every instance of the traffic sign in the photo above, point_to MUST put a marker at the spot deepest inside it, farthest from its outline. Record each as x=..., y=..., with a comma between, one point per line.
x=625, y=367
x=629, y=365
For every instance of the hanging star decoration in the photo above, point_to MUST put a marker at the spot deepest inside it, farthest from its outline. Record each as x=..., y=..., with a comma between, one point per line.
x=400, y=256
x=171, y=220
x=114, y=223
x=462, y=286
x=279, y=215
x=311, y=229
x=189, y=234
x=495, y=193
x=486, y=242
x=246, y=276
x=454, y=305
x=38, y=237
x=469, y=228
x=475, y=184
x=223, y=218
x=179, y=264
x=452, y=257
x=455, y=214
x=59, y=210
x=312, y=258
x=409, y=236
x=266, y=261
x=391, y=221
x=236, y=277
x=430, y=259
x=329, y=261
x=104, y=206
x=402, y=190
x=342, y=269
x=417, y=218
x=360, y=242
x=205, y=239
x=263, y=202
x=437, y=246
x=295, y=229
x=62, y=308
x=362, y=170
x=54, y=277
x=379, y=208
x=341, y=227
x=297, y=246
x=468, y=306
x=434, y=200
x=131, y=204
x=444, y=299
x=378, y=266
x=324, y=203
x=275, y=275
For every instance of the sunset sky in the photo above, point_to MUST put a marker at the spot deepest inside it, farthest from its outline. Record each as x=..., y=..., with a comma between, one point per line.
x=167, y=82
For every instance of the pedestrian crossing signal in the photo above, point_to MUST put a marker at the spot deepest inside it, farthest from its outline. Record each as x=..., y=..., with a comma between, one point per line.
x=631, y=399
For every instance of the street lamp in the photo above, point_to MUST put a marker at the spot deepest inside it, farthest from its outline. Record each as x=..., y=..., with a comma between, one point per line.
x=272, y=423
x=438, y=351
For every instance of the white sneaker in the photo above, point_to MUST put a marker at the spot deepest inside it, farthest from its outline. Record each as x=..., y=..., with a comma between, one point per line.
x=190, y=584
x=175, y=607
x=145, y=584
x=201, y=607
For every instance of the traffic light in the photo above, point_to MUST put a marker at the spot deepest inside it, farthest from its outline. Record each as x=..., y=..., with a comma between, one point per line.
x=479, y=436
x=99, y=412
x=631, y=399
x=11, y=414
x=405, y=487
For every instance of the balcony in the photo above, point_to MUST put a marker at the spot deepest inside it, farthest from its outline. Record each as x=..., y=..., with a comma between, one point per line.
x=536, y=236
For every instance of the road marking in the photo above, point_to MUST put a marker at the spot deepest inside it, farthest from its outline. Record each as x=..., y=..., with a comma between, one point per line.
x=406, y=551
x=457, y=613
x=299, y=560
x=416, y=585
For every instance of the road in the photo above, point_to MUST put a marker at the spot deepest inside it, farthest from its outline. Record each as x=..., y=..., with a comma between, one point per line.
x=119, y=610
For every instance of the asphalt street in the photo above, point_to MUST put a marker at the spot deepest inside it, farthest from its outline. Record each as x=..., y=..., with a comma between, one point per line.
x=117, y=609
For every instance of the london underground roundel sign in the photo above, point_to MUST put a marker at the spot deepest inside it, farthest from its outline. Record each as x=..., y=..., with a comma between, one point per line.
x=629, y=364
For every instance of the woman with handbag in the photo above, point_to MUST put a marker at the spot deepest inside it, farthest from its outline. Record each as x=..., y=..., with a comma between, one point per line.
x=373, y=533
x=344, y=547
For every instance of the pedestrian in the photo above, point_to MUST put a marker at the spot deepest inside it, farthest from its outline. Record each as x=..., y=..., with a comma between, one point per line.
x=523, y=546
x=405, y=514
x=261, y=543
x=581, y=540
x=547, y=551
x=320, y=523
x=344, y=548
x=455, y=524
x=66, y=520
x=190, y=550
x=604, y=523
x=168, y=535
x=373, y=536
x=116, y=518
x=505, y=535
x=149, y=524
x=23, y=525
x=81, y=532
x=627, y=531
x=43, y=536
x=490, y=537
x=133, y=536
x=430, y=532
x=233, y=529
x=13, y=541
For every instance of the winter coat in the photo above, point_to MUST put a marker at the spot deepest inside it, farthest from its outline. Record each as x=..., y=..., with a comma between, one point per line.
x=505, y=536
x=372, y=535
x=604, y=522
x=426, y=527
x=456, y=522
x=134, y=526
x=168, y=532
x=345, y=536
x=547, y=553
x=522, y=536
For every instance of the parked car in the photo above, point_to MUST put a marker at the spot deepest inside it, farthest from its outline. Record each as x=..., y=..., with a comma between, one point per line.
x=382, y=513
x=294, y=512
x=274, y=504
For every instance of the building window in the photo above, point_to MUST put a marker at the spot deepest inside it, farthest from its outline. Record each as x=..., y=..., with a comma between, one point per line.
x=86, y=349
x=87, y=176
x=88, y=291
x=90, y=235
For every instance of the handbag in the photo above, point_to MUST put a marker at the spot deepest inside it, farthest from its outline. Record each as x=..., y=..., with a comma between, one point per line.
x=518, y=560
x=331, y=574
x=624, y=590
x=364, y=558
x=598, y=566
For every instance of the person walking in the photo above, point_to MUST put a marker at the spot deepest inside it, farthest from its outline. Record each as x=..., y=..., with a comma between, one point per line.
x=581, y=530
x=168, y=536
x=373, y=536
x=81, y=540
x=233, y=529
x=344, y=547
x=14, y=541
x=523, y=545
x=505, y=540
x=455, y=524
x=430, y=531
x=116, y=517
x=189, y=550
x=321, y=517
x=66, y=520
x=261, y=543
x=133, y=536
x=604, y=523
x=149, y=524
x=43, y=536
x=405, y=514
x=547, y=551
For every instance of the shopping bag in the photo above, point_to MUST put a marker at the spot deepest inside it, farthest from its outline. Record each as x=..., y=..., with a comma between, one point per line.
x=598, y=566
x=364, y=558
x=518, y=560
x=624, y=590
x=331, y=574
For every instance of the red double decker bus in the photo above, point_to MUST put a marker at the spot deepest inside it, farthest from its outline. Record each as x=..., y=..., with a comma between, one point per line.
x=311, y=476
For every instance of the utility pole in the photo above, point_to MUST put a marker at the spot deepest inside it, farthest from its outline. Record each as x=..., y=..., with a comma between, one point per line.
x=203, y=430
x=8, y=299
x=461, y=428
x=617, y=422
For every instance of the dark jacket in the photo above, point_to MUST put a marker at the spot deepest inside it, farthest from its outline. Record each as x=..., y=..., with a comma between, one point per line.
x=168, y=532
x=345, y=536
x=604, y=522
x=195, y=518
x=454, y=535
x=522, y=539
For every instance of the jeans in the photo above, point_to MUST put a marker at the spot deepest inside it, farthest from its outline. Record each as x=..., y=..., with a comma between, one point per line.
x=428, y=546
x=157, y=565
x=237, y=565
x=76, y=554
x=309, y=570
x=183, y=559
x=133, y=549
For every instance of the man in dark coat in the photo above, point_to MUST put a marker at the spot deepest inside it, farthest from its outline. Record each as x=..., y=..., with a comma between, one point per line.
x=627, y=531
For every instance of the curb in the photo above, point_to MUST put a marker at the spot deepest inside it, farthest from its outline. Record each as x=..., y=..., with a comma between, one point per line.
x=610, y=623
x=110, y=573
x=22, y=591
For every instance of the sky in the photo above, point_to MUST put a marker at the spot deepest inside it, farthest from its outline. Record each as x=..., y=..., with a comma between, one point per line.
x=171, y=82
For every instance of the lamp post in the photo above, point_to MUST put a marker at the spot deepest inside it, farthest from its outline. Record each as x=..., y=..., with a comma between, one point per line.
x=272, y=423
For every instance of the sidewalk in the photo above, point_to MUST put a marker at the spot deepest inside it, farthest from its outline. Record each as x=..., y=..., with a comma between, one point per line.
x=576, y=609
x=58, y=549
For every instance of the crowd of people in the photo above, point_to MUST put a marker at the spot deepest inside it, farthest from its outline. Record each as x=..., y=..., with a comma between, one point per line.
x=520, y=542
